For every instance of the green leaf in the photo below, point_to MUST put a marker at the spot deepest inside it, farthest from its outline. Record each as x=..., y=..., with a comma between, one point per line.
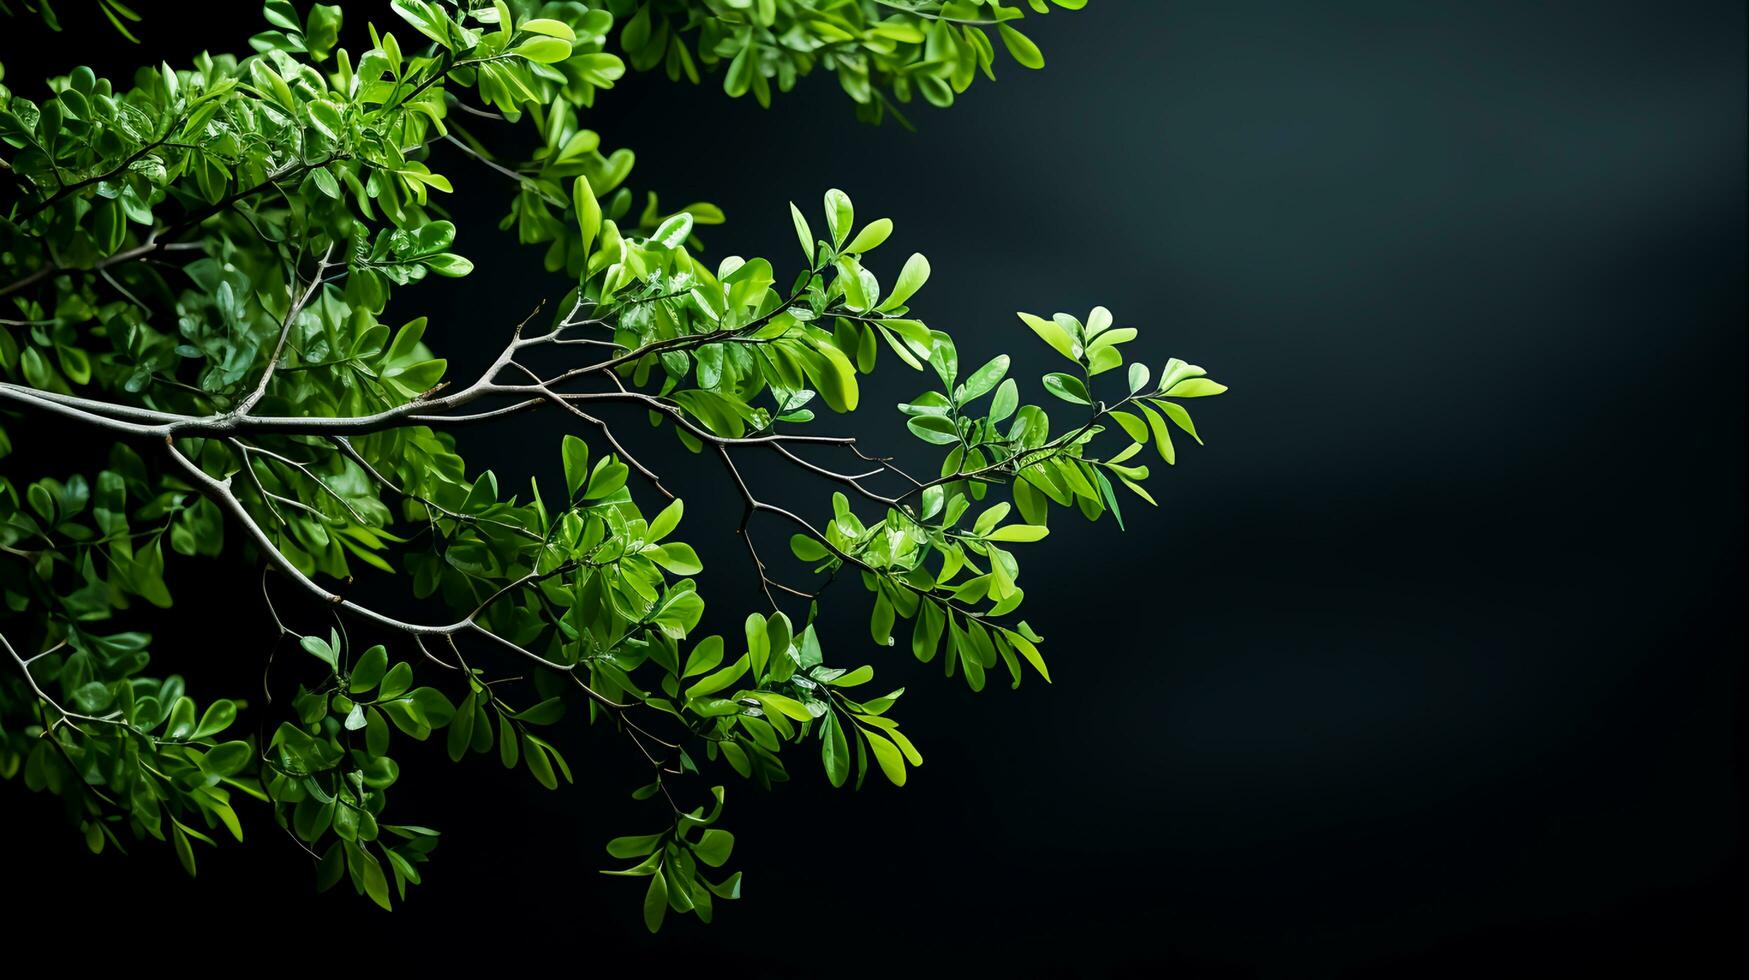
x=856, y=678
x=1006, y=401
x=714, y=847
x=545, y=713
x=281, y=14
x=1139, y=489
x=1134, y=427
x=576, y=456
x=850, y=275
x=1067, y=387
x=840, y=215
x=871, y=235
x=396, y=681
x=543, y=50
x=535, y=757
x=226, y=759
x=375, y=885
x=1162, y=435
x=630, y=847
x=673, y=232
x=587, y=210
x=1021, y=643
x=550, y=28
x=944, y=359
x=331, y=867
x=729, y=889
x=461, y=729
x=1110, y=497
x=984, y=379
x=1180, y=418
x=937, y=430
x=880, y=624
x=803, y=232
x=322, y=30
x=1099, y=321
x=328, y=653
x=1052, y=333
x=655, y=903
x=448, y=264
x=834, y=751
x=376, y=733
x=433, y=705
x=926, y=636
x=709, y=653
x=838, y=383
x=788, y=707
x=1195, y=388
x=1177, y=370
x=1020, y=47
x=420, y=15
x=369, y=669
x=712, y=683
x=1018, y=532
x=271, y=83
x=666, y=521
x=508, y=746
x=217, y=717
x=184, y=849
x=325, y=116
x=887, y=755
x=740, y=74
x=807, y=548
x=911, y=278
x=678, y=558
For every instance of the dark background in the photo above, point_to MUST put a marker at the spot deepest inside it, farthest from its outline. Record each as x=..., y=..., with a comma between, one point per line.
x=1431, y=662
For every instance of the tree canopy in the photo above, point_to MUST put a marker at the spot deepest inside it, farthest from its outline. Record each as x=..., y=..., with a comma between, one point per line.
x=193, y=267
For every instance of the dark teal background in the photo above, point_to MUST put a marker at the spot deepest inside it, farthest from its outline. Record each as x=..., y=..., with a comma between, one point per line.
x=1430, y=662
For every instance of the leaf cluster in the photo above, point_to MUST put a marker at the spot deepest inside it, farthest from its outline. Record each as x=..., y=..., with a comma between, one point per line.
x=195, y=267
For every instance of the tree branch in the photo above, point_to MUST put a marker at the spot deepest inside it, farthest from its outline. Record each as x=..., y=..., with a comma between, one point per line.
x=219, y=491
x=291, y=317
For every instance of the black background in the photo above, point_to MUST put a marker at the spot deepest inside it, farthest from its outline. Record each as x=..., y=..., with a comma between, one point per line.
x=1430, y=662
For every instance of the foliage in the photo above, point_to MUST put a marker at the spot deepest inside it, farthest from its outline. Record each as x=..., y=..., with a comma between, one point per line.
x=194, y=266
